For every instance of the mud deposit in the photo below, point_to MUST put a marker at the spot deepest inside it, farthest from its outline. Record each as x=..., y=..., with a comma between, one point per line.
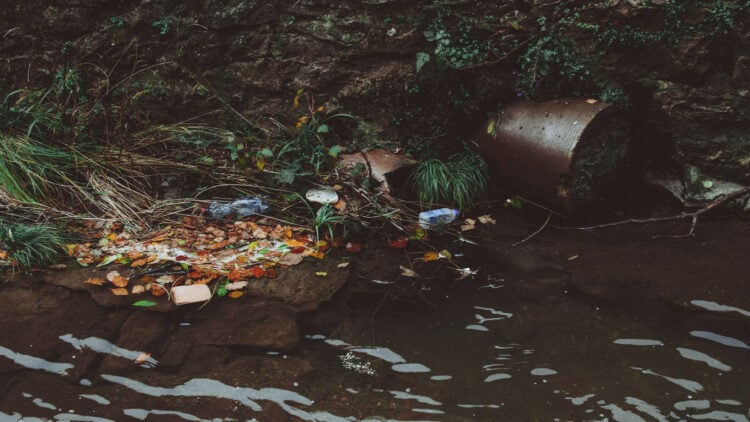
x=610, y=325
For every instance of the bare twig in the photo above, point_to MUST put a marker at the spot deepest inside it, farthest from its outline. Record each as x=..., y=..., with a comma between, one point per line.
x=692, y=215
x=549, y=216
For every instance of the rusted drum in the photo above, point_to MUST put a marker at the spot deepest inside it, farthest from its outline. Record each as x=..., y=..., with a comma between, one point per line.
x=560, y=153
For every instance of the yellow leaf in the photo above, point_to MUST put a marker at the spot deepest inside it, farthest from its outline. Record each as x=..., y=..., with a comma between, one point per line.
x=234, y=294
x=260, y=163
x=112, y=236
x=445, y=254
x=319, y=255
x=294, y=243
x=430, y=256
x=321, y=274
x=295, y=103
x=138, y=263
x=70, y=248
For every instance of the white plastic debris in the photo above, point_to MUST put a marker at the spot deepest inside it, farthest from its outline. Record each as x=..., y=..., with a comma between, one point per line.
x=193, y=293
x=322, y=195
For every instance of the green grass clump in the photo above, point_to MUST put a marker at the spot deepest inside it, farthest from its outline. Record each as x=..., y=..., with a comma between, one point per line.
x=31, y=245
x=458, y=181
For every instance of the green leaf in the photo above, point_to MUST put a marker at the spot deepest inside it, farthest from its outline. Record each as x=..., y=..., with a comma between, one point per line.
x=266, y=152
x=491, y=128
x=422, y=59
x=221, y=291
x=144, y=303
x=334, y=151
x=323, y=129
x=110, y=259
x=81, y=263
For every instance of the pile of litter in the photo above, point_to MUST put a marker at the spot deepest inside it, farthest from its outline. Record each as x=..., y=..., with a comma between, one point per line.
x=192, y=262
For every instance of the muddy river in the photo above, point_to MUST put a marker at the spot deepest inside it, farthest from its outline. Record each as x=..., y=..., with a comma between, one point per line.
x=570, y=326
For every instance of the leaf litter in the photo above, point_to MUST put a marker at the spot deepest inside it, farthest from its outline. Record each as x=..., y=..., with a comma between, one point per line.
x=225, y=253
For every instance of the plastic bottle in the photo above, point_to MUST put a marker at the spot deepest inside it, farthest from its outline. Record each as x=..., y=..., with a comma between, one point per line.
x=240, y=208
x=428, y=219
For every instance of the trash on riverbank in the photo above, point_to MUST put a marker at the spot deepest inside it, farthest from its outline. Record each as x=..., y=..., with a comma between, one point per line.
x=324, y=195
x=196, y=253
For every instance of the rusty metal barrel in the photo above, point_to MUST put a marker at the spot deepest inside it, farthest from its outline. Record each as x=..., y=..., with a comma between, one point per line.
x=560, y=153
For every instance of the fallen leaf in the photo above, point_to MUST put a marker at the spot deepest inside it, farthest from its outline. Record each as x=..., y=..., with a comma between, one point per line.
x=573, y=258
x=445, y=254
x=407, y=272
x=238, y=274
x=237, y=285
x=143, y=357
x=399, y=243
x=258, y=272
x=291, y=259
x=84, y=262
x=137, y=289
x=242, y=259
x=469, y=224
x=293, y=243
x=135, y=255
x=138, y=263
x=181, y=258
x=119, y=291
x=112, y=274
x=108, y=260
x=95, y=281
x=321, y=274
x=151, y=258
x=119, y=281
x=165, y=279
x=270, y=273
x=203, y=280
x=144, y=304
x=318, y=255
x=157, y=290
x=486, y=219
x=236, y=293
x=343, y=265
x=592, y=101
x=340, y=205
x=430, y=256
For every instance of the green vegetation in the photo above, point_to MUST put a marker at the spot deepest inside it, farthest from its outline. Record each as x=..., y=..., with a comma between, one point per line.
x=31, y=245
x=458, y=181
x=307, y=153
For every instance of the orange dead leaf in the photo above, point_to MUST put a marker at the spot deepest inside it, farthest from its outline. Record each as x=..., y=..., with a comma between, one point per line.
x=119, y=281
x=238, y=274
x=135, y=255
x=138, y=263
x=431, y=256
x=319, y=254
x=203, y=280
x=234, y=294
x=293, y=243
x=119, y=291
x=340, y=205
x=258, y=272
x=137, y=289
x=142, y=358
x=242, y=259
x=151, y=258
x=157, y=290
x=95, y=281
x=146, y=279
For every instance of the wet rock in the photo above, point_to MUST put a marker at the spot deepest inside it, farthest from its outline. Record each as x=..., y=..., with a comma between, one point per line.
x=299, y=287
x=237, y=323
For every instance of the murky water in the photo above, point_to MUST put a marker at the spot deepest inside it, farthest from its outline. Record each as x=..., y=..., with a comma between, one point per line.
x=488, y=348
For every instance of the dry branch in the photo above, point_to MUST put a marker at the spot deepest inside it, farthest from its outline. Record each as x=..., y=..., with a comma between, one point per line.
x=692, y=215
